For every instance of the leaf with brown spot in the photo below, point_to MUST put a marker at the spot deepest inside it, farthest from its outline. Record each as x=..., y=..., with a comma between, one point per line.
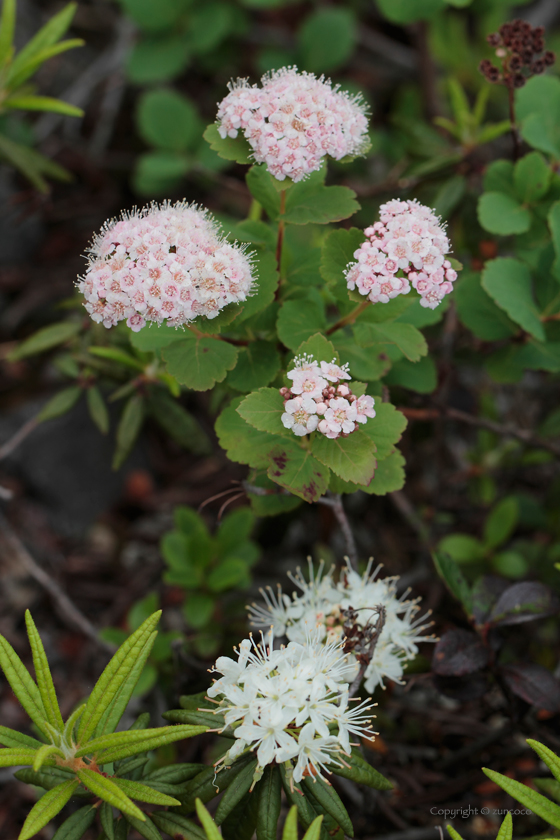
x=298, y=471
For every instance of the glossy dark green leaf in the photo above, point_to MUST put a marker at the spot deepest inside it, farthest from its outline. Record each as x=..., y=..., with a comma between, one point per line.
x=235, y=792
x=270, y=801
x=77, y=824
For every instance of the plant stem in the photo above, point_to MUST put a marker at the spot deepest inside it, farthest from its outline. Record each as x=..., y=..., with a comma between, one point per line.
x=281, y=225
x=334, y=501
x=348, y=319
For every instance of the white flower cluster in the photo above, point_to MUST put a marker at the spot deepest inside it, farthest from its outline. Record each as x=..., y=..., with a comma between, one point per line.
x=294, y=121
x=407, y=246
x=286, y=704
x=322, y=602
x=320, y=399
x=167, y=262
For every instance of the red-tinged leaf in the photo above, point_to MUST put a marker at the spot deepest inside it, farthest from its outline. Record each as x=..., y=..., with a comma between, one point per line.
x=485, y=593
x=534, y=684
x=459, y=652
x=524, y=602
x=298, y=471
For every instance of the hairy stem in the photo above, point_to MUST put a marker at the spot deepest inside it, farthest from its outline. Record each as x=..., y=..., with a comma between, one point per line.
x=348, y=319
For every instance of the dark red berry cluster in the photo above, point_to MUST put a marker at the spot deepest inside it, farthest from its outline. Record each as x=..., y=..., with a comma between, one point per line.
x=519, y=46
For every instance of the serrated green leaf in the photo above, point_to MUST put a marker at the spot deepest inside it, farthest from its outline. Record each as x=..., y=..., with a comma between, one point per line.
x=144, y=793
x=43, y=675
x=316, y=204
x=229, y=148
x=453, y=578
x=12, y=738
x=107, y=690
x=298, y=471
x=502, y=214
x=389, y=475
x=235, y=792
x=108, y=791
x=263, y=409
x=46, y=808
x=177, y=826
x=538, y=111
x=155, y=336
x=45, y=339
x=407, y=338
x=352, y=458
x=77, y=824
x=498, y=177
x=331, y=802
x=257, y=365
x=508, y=283
x=361, y=772
x=22, y=684
x=538, y=803
x=366, y=363
x=242, y=442
x=199, y=362
x=269, y=791
x=298, y=320
x=385, y=429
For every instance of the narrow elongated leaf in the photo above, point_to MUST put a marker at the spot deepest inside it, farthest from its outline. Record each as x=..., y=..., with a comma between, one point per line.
x=46, y=808
x=106, y=819
x=177, y=826
x=506, y=828
x=551, y=760
x=145, y=793
x=44, y=339
x=289, y=831
x=174, y=774
x=22, y=684
x=11, y=738
x=46, y=751
x=47, y=36
x=12, y=756
x=109, y=791
x=98, y=409
x=74, y=827
x=128, y=429
x=538, y=803
x=208, y=823
x=47, y=778
x=43, y=675
x=314, y=830
x=207, y=784
x=60, y=404
x=235, y=792
x=196, y=718
x=43, y=103
x=294, y=795
x=242, y=822
x=106, y=690
x=145, y=828
x=270, y=801
x=453, y=834
x=362, y=772
x=329, y=799
x=20, y=71
x=113, y=714
x=171, y=734
x=454, y=579
x=7, y=26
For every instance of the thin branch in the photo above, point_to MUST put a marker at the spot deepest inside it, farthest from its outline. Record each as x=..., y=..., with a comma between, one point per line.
x=334, y=501
x=19, y=436
x=67, y=610
x=407, y=511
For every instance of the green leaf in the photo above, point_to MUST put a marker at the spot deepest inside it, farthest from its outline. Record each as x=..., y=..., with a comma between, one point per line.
x=155, y=337
x=294, y=795
x=326, y=39
x=144, y=793
x=242, y=442
x=385, y=429
x=499, y=177
x=46, y=808
x=501, y=523
x=550, y=787
x=229, y=148
x=367, y=363
x=298, y=471
x=308, y=203
x=389, y=475
x=48, y=777
x=462, y=548
x=60, y=404
x=551, y=760
x=554, y=225
x=108, y=790
x=275, y=502
x=158, y=172
x=290, y=826
x=314, y=830
x=508, y=283
x=44, y=753
x=208, y=823
x=146, y=828
x=111, y=687
x=149, y=19
x=257, y=365
x=230, y=573
x=132, y=738
x=478, y=312
x=106, y=820
x=164, y=735
x=43, y=675
x=352, y=458
x=331, y=802
x=77, y=824
x=538, y=111
x=178, y=827
x=206, y=785
x=506, y=828
x=319, y=347
x=128, y=429
x=407, y=338
x=409, y=11
x=168, y=120
x=361, y=772
x=179, y=423
x=199, y=362
x=270, y=801
x=158, y=58
x=532, y=176
x=337, y=251
x=97, y=409
x=298, y=320
x=12, y=738
x=500, y=213
x=235, y=792
x=118, y=356
x=7, y=26
x=43, y=103
x=11, y=757
x=22, y=685
x=537, y=803
x=20, y=71
x=263, y=409
x=266, y=286
x=262, y=188
x=198, y=610
x=45, y=339
x=453, y=834
x=453, y=578
x=47, y=36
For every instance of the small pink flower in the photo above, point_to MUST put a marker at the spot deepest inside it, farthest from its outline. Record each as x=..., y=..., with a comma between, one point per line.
x=333, y=372
x=364, y=408
x=300, y=416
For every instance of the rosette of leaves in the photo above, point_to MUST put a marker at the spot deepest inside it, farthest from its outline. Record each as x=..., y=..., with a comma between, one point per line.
x=543, y=801
x=17, y=92
x=84, y=756
x=465, y=662
x=253, y=797
x=207, y=567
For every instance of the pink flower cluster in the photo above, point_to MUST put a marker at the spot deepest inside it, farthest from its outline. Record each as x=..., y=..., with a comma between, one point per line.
x=319, y=398
x=407, y=246
x=294, y=121
x=167, y=262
